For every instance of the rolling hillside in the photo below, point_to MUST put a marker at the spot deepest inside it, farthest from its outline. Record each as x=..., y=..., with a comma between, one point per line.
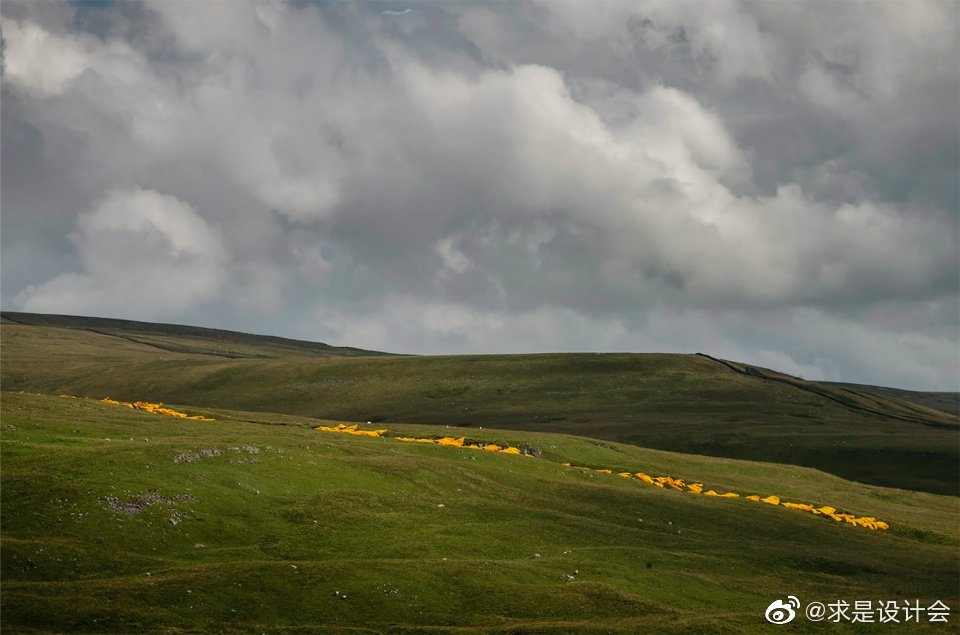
x=118, y=521
x=948, y=402
x=687, y=403
x=178, y=338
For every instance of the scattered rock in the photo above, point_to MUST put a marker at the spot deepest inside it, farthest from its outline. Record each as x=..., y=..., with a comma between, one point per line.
x=139, y=502
x=607, y=446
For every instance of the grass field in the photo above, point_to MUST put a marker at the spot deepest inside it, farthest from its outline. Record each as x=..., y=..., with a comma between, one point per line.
x=120, y=521
x=684, y=403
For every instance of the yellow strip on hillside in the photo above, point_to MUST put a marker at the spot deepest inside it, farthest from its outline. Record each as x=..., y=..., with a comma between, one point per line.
x=665, y=482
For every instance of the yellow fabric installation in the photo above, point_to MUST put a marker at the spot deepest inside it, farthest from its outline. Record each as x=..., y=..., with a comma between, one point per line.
x=352, y=429
x=114, y=402
x=678, y=484
x=800, y=506
x=444, y=441
x=368, y=433
x=153, y=408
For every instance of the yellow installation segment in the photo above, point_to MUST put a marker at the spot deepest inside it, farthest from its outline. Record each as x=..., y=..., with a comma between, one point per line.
x=664, y=482
x=153, y=408
x=351, y=429
x=697, y=488
x=449, y=442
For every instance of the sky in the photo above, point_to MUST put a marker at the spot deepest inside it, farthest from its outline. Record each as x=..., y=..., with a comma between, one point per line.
x=776, y=183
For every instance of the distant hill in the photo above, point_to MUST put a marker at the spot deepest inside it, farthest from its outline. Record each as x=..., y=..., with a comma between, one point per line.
x=948, y=402
x=684, y=403
x=178, y=338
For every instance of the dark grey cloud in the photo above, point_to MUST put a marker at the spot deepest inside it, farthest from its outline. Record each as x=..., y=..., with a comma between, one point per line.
x=763, y=181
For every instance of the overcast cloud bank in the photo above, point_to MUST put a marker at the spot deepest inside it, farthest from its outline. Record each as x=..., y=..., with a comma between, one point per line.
x=773, y=183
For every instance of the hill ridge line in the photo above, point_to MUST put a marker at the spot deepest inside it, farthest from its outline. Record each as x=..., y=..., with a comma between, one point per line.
x=825, y=394
x=92, y=324
x=6, y=316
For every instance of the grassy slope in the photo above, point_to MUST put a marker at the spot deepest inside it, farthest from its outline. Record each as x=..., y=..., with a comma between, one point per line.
x=187, y=339
x=321, y=513
x=674, y=402
x=948, y=402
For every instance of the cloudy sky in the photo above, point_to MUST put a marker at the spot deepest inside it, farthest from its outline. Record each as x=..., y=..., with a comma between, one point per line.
x=771, y=182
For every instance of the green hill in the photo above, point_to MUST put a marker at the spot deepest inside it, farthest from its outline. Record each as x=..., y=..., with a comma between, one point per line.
x=948, y=402
x=177, y=338
x=119, y=521
x=686, y=403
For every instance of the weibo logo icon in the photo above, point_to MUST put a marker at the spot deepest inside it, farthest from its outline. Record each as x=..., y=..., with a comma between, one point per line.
x=780, y=612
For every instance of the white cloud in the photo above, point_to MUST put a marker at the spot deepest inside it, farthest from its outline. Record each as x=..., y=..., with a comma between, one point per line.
x=530, y=171
x=38, y=61
x=144, y=254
